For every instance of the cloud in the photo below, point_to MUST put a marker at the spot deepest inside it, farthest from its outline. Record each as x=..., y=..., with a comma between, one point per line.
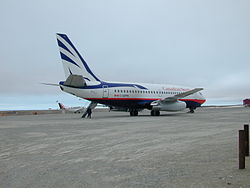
x=194, y=43
x=234, y=87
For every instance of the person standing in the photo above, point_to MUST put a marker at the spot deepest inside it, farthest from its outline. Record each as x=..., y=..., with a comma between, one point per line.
x=89, y=112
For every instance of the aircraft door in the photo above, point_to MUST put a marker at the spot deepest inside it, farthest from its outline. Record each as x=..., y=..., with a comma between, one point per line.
x=105, y=91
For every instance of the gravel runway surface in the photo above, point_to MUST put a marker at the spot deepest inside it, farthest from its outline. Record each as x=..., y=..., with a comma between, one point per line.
x=115, y=150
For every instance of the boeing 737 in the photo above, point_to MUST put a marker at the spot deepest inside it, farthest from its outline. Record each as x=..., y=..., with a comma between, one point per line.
x=120, y=96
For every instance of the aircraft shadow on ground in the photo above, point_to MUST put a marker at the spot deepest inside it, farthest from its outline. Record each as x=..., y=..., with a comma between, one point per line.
x=139, y=116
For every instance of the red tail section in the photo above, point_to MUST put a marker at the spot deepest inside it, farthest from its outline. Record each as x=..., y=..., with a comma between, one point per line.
x=61, y=106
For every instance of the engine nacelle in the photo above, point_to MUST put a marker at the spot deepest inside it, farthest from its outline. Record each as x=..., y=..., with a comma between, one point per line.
x=170, y=106
x=118, y=109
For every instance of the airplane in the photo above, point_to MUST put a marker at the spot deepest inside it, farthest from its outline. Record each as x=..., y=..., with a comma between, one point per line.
x=121, y=96
x=71, y=109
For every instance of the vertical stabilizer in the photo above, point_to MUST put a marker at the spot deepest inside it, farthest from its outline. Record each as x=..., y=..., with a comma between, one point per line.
x=73, y=62
x=61, y=106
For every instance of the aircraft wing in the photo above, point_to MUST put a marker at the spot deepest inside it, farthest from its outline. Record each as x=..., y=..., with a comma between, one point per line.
x=178, y=96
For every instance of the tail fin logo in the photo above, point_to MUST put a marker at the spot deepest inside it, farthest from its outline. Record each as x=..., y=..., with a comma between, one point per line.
x=61, y=105
x=72, y=60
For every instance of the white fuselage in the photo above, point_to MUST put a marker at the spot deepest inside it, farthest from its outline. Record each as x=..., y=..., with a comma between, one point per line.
x=132, y=95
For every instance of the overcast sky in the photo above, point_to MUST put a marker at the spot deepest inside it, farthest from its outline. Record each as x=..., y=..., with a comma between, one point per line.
x=195, y=43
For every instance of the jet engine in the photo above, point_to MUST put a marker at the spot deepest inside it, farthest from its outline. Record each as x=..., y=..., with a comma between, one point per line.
x=169, y=106
x=118, y=109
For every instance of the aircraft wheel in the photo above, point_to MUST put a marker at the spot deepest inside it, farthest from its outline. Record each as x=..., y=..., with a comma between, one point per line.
x=155, y=112
x=133, y=113
x=152, y=113
x=191, y=110
x=136, y=113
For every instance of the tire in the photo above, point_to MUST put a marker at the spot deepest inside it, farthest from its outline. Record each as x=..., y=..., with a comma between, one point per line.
x=152, y=113
x=155, y=113
x=134, y=112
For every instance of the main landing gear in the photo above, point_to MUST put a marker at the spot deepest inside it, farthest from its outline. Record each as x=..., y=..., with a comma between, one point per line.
x=89, y=109
x=133, y=112
x=155, y=112
x=191, y=110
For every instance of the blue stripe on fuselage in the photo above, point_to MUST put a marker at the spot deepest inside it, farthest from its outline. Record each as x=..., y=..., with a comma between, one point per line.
x=135, y=103
x=110, y=85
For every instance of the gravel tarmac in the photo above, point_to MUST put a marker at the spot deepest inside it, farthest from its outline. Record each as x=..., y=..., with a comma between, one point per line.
x=112, y=149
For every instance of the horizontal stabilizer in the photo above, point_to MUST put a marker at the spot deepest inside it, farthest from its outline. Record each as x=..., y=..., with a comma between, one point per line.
x=49, y=84
x=75, y=81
